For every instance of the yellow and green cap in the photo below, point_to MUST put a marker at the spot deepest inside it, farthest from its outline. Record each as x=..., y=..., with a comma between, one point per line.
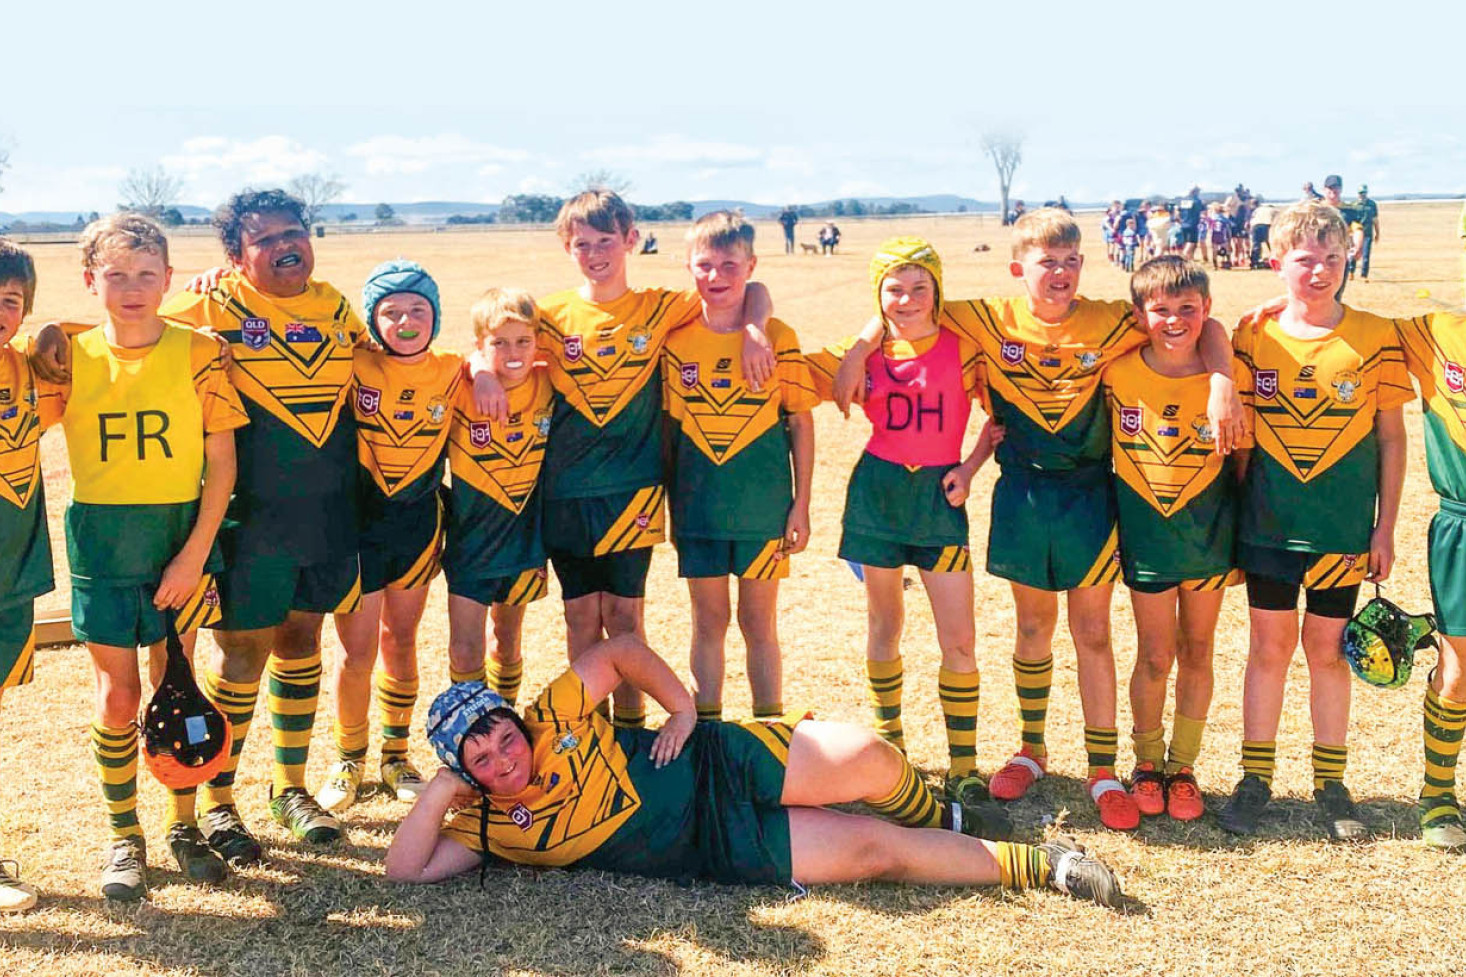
x=896, y=252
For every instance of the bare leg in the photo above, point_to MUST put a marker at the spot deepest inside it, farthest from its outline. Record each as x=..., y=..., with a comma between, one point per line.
x=758, y=619
x=1274, y=637
x=467, y=620
x=623, y=615
x=885, y=613
x=830, y=847
x=351, y=673
x=1328, y=678
x=950, y=595
x=402, y=611
x=1198, y=618
x=1156, y=636
x=711, y=614
x=1089, y=624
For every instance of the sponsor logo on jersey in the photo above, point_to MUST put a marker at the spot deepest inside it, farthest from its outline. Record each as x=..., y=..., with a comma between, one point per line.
x=574, y=348
x=479, y=433
x=1306, y=373
x=542, y=423
x=1305, y=393
x=1087, y=358
x=1171, y=411
x=689, y=374
x=255, y=333
x=5, y=395
x=1455, y=377
x=522, y=817
x=566, y=743
x=368, y=400
x=1265, y=382
x=724, y=365
x=437, y=410
x=1346, y=386
x=1130, y=420
x=1203, y=430
x=300, y=332
x=1012, y=352
x=640, y=339
x=407, y=395
x=402, y=415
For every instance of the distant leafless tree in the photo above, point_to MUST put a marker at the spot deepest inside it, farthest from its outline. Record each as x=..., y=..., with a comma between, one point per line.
x=4, y=164
x=1005, y=149
x=317, y=190
x=149, y=191
x=601, y=180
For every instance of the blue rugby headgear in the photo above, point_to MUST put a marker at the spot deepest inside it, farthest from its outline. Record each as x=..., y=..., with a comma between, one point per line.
x=452, y=714
x=398, y=275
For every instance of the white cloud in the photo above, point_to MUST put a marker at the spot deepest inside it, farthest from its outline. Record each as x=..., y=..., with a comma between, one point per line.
x=214, y=161
x=791, y=159
x=677, y=150
x=537, y=184
x=388, y=155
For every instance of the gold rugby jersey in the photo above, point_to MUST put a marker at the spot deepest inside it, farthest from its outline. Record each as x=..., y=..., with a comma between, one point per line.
x=1435, y=352
x=26, y=409
x=502, y=461
x=403, y=415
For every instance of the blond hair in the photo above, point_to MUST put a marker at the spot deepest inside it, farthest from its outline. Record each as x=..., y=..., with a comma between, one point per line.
x=121, y=232
x=1169, y=275
x=720, y=230
x=1047, y=227
x=500, y=305
x=1309, y=222
x=602, y=209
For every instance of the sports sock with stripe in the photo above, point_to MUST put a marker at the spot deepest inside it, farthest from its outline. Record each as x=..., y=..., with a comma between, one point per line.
x=182, y=806
x=396, y=698
x=236, y=700
x=884, y=680
x=768, y=710
x=1033, y=680
x=1260, y=758
x=628, y=717
x=710, y=712
x=1101, y=743
x=1185, y=743
x=295, y=687
x=114, y=749
x=504, y=678
x=911, y=802
x=1445, y=720
x=351, y=741
x=959, y=692
x=1021, y=866
x=474, y=675
x=1328, y=764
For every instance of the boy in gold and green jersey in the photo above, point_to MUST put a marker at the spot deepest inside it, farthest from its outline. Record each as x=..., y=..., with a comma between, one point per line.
x=149, y=417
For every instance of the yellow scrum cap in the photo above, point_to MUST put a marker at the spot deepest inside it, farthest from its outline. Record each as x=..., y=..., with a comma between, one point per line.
x=895, y=252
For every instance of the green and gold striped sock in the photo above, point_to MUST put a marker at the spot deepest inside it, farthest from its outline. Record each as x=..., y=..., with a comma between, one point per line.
x=884, y=680
x=1101, y=744
x=236, y=700
x=911, y=803
x=295, y=687
x=182, y=807
x=504, y=678
x=1021, y=866
x=1033, y=681
x=114, y=748
x=1328, y=764
x=710, y=712
x=768, y=710
x=479, y=674
x=1260, y=758
x=351, y=741
x=1185, y=743
x=628, y=717
x=959, y=692
x=1445, y=720
x=396, y=698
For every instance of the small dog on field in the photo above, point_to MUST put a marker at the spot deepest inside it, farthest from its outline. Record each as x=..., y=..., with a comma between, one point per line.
x=810, y=248
x=983, y=247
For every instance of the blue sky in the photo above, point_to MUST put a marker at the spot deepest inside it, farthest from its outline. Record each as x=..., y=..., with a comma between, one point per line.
x=771, y=102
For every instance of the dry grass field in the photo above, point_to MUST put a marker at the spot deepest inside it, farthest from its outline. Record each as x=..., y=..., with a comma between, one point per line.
x=1202, y=902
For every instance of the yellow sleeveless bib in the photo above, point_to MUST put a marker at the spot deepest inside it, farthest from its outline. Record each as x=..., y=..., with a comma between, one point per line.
x=134, y=427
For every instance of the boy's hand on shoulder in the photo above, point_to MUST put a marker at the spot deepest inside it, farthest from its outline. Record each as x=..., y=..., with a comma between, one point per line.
x=489, y=395
x=672, y=737
x=1381, y=554
x=180, y=579
x=206, y=281
x=226, y=352
x=1225, y=414
x=759, y=360
x=956, y=484
x=796, y=531
x=1270, y=309
x=50, y=355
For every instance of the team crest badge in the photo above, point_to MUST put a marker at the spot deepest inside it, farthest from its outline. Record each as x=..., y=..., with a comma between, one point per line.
x=542, y=423
x=1087, y=358
x=1455, y=377
x=368, y=401
x=689, y=375
x=566, y=743
x=574, y=348
x=342, y=339
x=1265, y=382
x=643, y=521
x=478, y=434
x=211, y=597
x=437, y=410
x=1203, y=430
x=1012, y=352
x=1130, y=420
x=640, y=339
x=522, y=817
x=1346, y=386
x=255, y=333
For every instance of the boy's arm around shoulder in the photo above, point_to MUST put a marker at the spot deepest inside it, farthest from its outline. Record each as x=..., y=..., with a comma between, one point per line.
x=1389, y=426
x=625, y=658
x=1223, y=406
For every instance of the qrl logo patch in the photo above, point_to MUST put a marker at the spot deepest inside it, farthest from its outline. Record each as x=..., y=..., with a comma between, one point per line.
x=368, y=401
x=522, y=817
x=1130, y=420
x=1012, y=352
x=690, y=374
x=211, y=597
x=574, y=348
x=1455, y=377
x=255, y=333
x=1265, y=382
x=643, y=521
x=478, y=434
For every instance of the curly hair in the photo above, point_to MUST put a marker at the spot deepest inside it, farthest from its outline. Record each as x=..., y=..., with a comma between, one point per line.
x=229, y=218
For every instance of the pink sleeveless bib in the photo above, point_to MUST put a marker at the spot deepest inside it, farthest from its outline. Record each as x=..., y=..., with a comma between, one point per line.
x=918, y=408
